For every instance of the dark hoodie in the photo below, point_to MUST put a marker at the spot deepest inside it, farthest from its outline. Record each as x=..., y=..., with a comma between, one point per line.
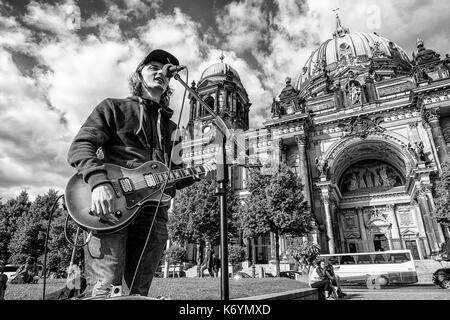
x=130, y=131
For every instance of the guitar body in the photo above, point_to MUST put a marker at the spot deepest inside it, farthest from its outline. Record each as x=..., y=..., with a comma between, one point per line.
x=78, y=197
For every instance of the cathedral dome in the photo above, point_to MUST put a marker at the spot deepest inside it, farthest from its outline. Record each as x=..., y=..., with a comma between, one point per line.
x=220, y=70
x=348, y=49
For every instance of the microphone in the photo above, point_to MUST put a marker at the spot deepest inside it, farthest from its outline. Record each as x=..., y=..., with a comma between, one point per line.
x=169, y=69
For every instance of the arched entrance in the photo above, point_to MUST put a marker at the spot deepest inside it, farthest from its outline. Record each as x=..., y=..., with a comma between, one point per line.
x=369, y=184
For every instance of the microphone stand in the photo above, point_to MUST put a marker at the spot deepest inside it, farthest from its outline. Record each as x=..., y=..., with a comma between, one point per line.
x=222, y=179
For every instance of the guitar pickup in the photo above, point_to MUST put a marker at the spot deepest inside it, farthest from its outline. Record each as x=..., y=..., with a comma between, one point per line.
x=126, y=185
x=151, y=180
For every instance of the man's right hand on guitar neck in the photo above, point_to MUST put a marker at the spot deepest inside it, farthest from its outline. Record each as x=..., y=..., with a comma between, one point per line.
x=104, y=202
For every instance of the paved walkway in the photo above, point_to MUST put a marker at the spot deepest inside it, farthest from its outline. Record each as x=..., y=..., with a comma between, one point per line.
x=410, y=292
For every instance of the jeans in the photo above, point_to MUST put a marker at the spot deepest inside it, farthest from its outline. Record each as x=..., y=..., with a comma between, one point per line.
x=323, y=286
x=111, y=257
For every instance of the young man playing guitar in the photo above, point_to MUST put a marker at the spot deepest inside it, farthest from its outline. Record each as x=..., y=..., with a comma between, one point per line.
x=130, y=132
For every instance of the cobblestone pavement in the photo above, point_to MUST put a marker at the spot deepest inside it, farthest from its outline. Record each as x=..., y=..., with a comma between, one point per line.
x=410, y=292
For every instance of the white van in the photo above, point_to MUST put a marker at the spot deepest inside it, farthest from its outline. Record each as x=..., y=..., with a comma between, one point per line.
x=396, y=266
x=10, y=270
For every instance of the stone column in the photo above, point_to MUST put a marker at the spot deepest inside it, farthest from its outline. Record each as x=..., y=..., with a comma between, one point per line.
x=303, y=167
x=335, y=224
x=324, y=186
x=396, y=225
x=389, y=236
x=421, y=226
x=340, y=227
x=277, y=153
x=436, y=225
x=362, y=228
x=432, y=118
x=423, y=205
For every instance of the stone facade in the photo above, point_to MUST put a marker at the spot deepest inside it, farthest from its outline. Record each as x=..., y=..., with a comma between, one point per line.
x=367, y=129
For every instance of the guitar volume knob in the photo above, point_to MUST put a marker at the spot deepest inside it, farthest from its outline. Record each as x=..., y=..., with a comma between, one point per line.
x=118, y=214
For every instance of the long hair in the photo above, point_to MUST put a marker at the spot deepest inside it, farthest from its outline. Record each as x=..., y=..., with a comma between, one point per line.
x=136, y=82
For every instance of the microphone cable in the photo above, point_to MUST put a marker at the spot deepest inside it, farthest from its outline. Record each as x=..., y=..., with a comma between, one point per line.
x=162, y=190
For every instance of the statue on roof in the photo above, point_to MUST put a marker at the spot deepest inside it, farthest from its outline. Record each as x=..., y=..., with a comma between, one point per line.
x=446, y=63
x=276, y=110
x=377, y=52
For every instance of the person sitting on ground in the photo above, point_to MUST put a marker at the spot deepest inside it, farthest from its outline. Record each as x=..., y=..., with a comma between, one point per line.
x=29, y=272
x=318, y=279
x=335, y=280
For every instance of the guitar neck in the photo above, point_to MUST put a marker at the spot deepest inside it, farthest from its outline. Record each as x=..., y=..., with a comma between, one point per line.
x=176, y=174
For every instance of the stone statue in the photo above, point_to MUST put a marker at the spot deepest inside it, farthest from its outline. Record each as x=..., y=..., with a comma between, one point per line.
x=369, y=181
x=376, y=177
x=384, y=177
x=355, y=93
x=362, y=184
x=275, y=108
x=446, y=63
x=322, y=166
x=353, y=182
x=418, y=151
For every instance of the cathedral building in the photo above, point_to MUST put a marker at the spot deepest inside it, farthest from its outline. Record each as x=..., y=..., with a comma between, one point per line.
x=365, y=126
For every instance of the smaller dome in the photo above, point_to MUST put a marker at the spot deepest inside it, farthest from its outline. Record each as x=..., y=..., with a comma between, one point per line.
x=219, y=69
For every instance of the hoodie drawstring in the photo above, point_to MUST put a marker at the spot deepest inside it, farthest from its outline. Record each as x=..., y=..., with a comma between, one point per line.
x=158, y=126
x=141, y=122
x=141, y=115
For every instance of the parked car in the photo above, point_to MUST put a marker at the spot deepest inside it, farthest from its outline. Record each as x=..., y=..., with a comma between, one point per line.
x=290, y=274
x=441, y=277
x=10, y=270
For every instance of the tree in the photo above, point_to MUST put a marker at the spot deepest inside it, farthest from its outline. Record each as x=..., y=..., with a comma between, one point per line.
x=29, y=238
x=195, y=216
x=276, y=204
x=11, y=212
x=442, y=196
x=304, y=253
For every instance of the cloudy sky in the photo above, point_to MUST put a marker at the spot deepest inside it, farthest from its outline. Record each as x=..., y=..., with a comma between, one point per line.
x=58, y=59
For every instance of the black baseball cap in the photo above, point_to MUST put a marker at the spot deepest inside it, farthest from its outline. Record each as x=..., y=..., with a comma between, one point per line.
x=161, y=56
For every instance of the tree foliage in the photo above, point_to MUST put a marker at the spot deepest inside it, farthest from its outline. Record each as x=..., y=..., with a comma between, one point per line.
x=442, y=196
x=236, y=254
x=195, y=216
x=23, y=226
x=304, y=253
x=276, y=204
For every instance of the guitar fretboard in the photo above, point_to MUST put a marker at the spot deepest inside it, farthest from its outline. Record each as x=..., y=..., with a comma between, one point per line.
x=151, y=180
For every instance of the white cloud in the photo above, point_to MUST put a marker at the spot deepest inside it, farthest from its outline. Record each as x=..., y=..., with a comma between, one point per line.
x=59, y=19
x=42, y=113
x=31, y=135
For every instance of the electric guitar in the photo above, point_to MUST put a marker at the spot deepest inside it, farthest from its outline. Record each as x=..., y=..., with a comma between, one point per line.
x=133, y=188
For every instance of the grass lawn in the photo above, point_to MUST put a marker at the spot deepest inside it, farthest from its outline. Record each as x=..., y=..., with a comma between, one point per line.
x=176, y=288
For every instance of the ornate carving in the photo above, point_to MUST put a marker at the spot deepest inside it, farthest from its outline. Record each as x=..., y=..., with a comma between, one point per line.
x=418, y=152
x=322, y=166
x=376, y=50
x=431, y=115
x=301, y=139
x=378, y=221
x=373, y=174
x=404, y=215
x=361, y=126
